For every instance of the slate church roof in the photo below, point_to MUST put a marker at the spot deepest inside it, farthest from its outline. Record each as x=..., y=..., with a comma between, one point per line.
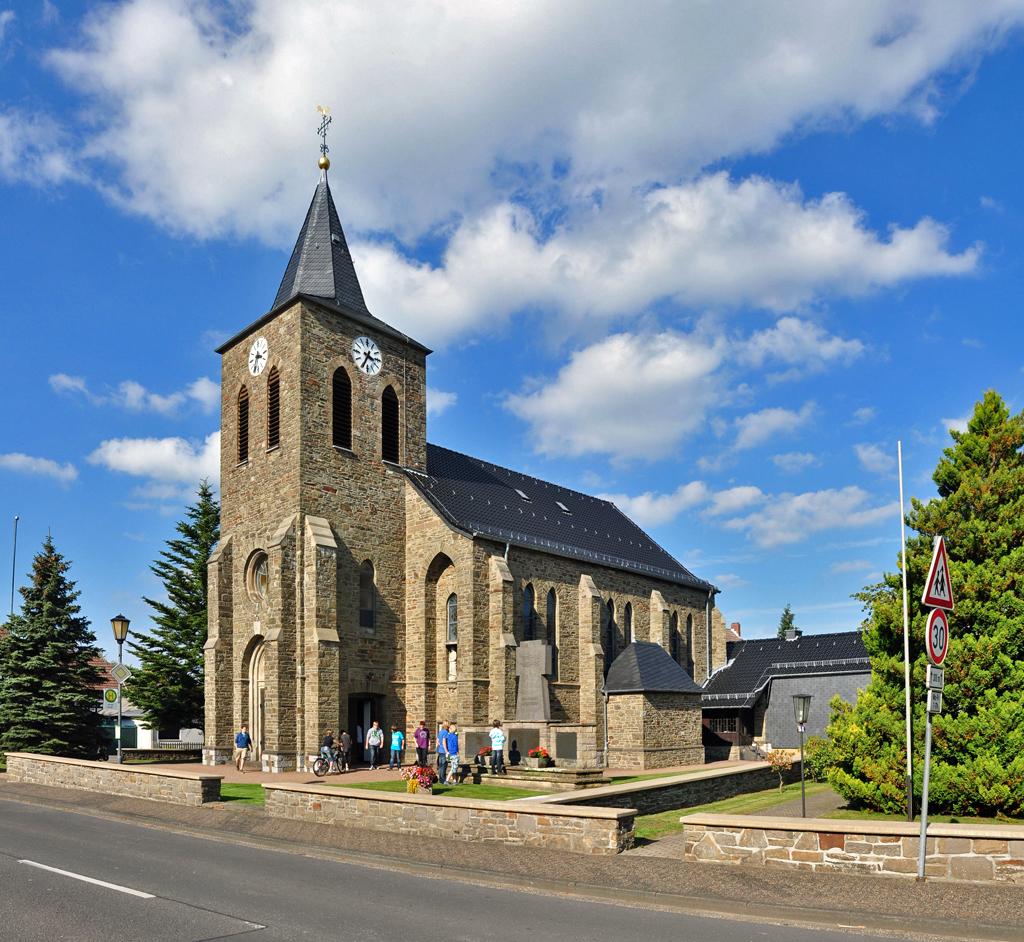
x=753, y=664
x=646, y=667
x=483, y=499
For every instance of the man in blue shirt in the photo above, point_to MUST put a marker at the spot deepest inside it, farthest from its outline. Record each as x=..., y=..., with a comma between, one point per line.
x=243, y=743
x=442, y=752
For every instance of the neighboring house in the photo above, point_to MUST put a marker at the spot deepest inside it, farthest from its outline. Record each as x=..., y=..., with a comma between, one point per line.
x=133, y=734
x=749, y=700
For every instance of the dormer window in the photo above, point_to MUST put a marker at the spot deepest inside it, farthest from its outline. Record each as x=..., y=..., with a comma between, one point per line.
x=562, y=507
x=523, y=496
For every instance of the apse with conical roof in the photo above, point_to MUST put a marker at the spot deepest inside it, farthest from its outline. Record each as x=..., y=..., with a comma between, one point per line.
x=321, y=265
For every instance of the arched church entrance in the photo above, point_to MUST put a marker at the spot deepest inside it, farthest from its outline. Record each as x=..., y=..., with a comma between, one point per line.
x=363, y=709
x=258, y=698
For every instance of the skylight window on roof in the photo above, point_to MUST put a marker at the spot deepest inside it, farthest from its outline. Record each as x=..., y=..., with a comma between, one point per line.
x=522, y=495
x=562, y=507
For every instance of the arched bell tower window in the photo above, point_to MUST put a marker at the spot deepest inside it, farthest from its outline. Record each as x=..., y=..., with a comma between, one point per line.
x=627, y=622
x=689, y=645
x=673, y=637
x=529, y=613
x=274, y=408
x=367, y=597
x=453, y=619
x=389, y=425
x=243, y=424
x=341, y=388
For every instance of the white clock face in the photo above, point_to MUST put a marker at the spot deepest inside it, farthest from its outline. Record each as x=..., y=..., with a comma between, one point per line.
x=367, y=355
x=257, y=356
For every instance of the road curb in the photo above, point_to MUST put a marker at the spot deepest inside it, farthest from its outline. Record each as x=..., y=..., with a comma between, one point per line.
x=707, y=905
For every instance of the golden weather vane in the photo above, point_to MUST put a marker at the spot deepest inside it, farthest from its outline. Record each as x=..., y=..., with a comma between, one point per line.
x=325, y=123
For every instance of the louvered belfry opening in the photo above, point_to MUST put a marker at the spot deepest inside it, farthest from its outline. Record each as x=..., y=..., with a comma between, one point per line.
x=274, y=409
x=342, y=405
x=243, y=425
x=389, y=425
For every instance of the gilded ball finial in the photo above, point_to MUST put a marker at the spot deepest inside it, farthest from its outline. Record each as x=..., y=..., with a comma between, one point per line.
x=325, y=162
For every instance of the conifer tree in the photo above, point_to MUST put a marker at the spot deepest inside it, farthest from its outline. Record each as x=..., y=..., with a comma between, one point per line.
x=168, y=686
x=978, y=740
x=49, y=692
x=786, y=622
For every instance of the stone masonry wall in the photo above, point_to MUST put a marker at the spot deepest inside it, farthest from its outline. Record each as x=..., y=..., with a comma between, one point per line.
x=953, y=851
x=577, y=830
x=179, y=787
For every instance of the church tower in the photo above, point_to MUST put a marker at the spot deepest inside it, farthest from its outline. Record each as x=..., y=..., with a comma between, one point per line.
x=322, y=404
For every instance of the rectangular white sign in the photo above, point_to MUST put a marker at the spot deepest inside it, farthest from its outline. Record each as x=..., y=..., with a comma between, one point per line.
x=934, y=701
x=936, y=677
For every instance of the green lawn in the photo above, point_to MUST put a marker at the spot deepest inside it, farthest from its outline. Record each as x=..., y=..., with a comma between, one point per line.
x=653, y=826
x=244, y=793
x=483, y=792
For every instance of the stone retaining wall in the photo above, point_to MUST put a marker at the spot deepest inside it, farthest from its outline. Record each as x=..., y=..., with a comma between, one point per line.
x=133, y=781
x=680, y=791
x=567, y=828
x=954, y=851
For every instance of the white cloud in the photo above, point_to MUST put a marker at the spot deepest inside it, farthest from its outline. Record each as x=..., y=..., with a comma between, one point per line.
x=205, y=123
x=874, y=458
x=794, y=461
x=438, y=401
x=759, y=427
x=6, y=18
x=863, y=416
x=32, y=149
x=851, y=565
x=713, y=242
x=733, y=499
x=730, y=580
x=134, y=397
x=593, y=404
x=163, y=460
x=26, y=464
x=957, y=425
x=789, y=518
x=988, y=203
x=651, y=510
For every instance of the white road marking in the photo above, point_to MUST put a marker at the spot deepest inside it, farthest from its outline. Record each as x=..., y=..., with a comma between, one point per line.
x=85, y=879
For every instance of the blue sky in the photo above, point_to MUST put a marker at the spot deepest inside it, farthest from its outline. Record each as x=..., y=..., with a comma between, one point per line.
x=711, y=264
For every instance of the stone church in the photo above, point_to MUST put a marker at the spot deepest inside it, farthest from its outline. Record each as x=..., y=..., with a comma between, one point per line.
x=364, y=574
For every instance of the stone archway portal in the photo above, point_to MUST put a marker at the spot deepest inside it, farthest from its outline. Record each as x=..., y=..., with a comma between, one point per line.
x=258, y=699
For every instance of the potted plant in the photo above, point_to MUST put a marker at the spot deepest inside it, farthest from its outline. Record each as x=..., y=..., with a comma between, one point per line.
x=537, y=758
x=484, y=756
x=419, y=779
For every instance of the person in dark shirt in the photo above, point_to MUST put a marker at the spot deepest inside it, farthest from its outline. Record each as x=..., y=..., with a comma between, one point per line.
x=346, y=749
x=328, y=748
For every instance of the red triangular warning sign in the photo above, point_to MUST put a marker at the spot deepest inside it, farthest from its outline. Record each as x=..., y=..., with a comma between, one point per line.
x=938, y=590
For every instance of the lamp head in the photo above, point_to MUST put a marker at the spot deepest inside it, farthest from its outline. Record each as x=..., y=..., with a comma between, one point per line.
x=120, y=625
x=801, y=707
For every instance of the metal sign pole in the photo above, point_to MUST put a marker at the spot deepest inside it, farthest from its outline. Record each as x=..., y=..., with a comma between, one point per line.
x=906, y=647
x=924, y=797
x=119, y=709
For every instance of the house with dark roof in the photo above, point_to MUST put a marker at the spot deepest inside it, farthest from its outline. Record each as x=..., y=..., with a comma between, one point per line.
x=748, y=701
x=365, y=575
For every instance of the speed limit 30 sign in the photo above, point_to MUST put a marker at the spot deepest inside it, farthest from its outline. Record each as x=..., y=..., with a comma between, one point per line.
x=936, y=636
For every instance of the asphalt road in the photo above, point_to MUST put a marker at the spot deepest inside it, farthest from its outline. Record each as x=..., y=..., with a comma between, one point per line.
x=170, y=887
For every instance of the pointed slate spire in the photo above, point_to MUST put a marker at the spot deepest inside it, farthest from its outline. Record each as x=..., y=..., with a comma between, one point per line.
x=321, y=265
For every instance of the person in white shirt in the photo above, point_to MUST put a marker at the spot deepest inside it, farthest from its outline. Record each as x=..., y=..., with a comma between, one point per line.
x=497, y=749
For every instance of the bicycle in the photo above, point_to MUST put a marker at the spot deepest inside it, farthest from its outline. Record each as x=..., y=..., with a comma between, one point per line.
x=322, y=765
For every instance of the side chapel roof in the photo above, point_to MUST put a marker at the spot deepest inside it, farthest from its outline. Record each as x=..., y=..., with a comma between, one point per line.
x=646, y=667
x=483, y=499
x=753, y=664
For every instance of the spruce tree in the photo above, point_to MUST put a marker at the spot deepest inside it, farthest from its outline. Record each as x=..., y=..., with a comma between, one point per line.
x=977, y=755
x=786, y=622
x=168, y=686
x=49, y=692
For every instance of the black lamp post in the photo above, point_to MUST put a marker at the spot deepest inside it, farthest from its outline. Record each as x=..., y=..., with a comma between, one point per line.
x=120, y=625
x=801, y=709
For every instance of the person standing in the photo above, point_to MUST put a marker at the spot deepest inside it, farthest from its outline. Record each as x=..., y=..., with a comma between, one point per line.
x=243, y=743
x=442, y=751
x=397, y=742
x=374, y=740
x=346, y=749
x=453, y=755
x=497, y=749
x=422, y=737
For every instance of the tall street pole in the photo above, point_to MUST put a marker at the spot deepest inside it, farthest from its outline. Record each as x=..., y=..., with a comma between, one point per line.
x=906, y=646
x=119, y=643
x=14, y=562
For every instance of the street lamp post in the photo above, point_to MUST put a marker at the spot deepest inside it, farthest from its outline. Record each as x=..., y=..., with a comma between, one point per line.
x=801, y=709
x=120, y=625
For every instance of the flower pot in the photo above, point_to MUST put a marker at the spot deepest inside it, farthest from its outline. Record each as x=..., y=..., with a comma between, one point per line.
x=411, y=787
x=424, y=789
x=539, y=763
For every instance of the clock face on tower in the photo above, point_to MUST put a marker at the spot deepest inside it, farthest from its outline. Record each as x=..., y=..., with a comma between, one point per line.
x=257, y=356
x=367, y=355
